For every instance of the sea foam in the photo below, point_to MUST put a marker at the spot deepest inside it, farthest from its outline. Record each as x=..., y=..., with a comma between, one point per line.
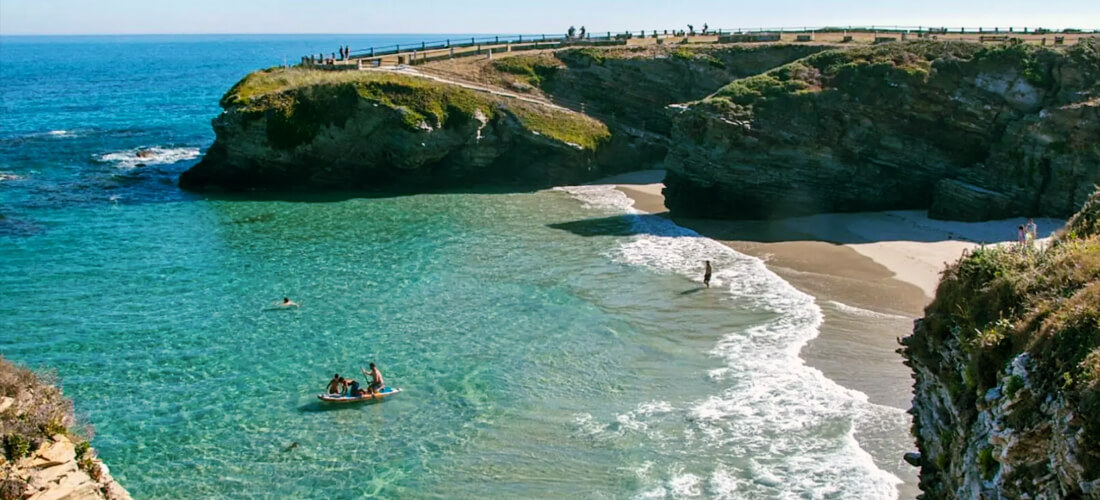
x=796, y=426
x=130, y=158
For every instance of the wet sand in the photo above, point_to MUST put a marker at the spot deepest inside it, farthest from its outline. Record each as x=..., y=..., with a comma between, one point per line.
x=872, y=274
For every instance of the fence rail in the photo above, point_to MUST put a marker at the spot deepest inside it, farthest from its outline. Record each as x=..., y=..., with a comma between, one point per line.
x=420, y=48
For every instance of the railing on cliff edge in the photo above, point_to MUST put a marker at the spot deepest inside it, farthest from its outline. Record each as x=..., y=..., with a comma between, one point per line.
x=541, y=41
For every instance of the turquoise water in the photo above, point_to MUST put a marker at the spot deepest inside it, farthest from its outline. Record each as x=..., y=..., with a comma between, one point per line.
x=550, y=345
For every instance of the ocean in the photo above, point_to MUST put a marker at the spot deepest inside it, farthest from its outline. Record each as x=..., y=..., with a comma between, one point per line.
x=552, y=344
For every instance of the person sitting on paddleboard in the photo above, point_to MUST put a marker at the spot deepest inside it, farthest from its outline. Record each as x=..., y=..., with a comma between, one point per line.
x=335, y=386
x=376, y=382
x=353, y=388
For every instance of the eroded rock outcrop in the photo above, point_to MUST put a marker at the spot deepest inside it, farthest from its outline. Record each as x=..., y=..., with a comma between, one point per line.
x=42, y=458
x=1006, y=365
x=375, y=129
x=1013, y=130
x=351, y=130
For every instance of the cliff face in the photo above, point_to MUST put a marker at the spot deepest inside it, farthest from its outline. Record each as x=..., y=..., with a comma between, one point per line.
x=1007, y=367
x=348, y=130
x=42, y=458
x=971, y=132
x=372, y=129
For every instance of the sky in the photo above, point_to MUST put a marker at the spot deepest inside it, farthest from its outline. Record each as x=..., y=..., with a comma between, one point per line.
x=20, y=17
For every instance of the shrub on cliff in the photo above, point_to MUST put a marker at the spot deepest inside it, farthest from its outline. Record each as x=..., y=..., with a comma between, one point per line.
x=35, y=410
x=1001, y=302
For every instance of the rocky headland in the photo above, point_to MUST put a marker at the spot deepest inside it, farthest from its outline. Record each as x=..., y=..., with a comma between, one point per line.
x=969, y=131
x=1007, y=367
x=44, y=455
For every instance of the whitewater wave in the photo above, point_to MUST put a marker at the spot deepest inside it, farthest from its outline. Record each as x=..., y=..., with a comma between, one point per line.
x=5, y=176
x=132, y=158
x=865, y=313
x=797, y=425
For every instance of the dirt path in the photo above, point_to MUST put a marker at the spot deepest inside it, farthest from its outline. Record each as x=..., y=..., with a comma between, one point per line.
x=406, y=70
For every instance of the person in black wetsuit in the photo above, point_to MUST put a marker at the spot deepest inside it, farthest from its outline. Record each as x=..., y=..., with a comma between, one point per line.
x=706, y=275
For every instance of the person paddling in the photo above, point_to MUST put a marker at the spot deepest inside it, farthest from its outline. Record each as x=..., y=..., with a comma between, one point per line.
x=376, y=381
x=706, y=275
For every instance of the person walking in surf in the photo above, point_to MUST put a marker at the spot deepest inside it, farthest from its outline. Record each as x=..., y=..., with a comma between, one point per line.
x=706, y=275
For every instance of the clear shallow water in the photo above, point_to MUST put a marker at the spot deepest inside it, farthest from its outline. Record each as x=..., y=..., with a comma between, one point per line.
x=550, y=344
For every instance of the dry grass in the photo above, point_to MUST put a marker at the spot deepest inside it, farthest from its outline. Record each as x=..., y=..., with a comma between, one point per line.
x=39, y=410
x=1000, y=302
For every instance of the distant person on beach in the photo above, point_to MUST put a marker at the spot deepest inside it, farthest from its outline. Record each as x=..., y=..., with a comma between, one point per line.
x=1032, y=229
x=376, y=381
x=335, y=386
x=1021, y=235
x=288, y=303
x=706, y=275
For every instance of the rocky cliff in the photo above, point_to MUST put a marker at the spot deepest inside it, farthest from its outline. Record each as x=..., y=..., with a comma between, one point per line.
x=285, y=128
x=1007, y=367
x=971, y=132
x=297, y=127
x=43, y=457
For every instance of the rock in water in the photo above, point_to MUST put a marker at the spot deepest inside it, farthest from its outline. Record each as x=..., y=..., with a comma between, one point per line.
x=912, y=458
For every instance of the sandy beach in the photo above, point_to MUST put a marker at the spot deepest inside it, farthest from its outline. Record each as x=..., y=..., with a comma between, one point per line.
x=872, y=274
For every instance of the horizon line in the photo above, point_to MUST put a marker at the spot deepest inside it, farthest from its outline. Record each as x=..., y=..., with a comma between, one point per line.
x=807, y=28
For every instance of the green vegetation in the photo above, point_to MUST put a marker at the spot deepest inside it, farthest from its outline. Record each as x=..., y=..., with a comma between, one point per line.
x=986, y=462
x=535, y=69
x=584, y=56
x=686, y=54
x=38, y=411
x=859, y=70
x=1002, y=301
x=564, y=126
x=297, y=102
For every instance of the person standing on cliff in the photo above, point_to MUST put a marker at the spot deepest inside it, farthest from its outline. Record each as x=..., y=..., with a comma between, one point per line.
x=706, y=274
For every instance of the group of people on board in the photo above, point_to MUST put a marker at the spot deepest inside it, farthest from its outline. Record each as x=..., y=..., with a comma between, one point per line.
x=350, y=387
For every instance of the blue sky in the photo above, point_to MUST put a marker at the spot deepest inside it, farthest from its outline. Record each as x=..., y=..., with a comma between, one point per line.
x=516, y=16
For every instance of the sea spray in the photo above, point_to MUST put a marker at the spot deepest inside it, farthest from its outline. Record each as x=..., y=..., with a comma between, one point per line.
x=797, y=426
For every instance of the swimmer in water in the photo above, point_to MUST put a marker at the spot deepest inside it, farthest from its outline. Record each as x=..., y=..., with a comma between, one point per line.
x=288, y=303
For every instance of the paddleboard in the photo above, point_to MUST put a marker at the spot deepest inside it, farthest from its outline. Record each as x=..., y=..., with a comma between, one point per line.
x=337, y=398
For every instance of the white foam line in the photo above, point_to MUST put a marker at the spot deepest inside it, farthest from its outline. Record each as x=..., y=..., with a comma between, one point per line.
x=132, y=158
x=866, y=313
x=798, y=424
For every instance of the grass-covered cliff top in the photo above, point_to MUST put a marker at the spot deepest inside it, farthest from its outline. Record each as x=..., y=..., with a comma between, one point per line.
x=1002, y=301
x=32, y=411
x=312, y=96
x=850, y=68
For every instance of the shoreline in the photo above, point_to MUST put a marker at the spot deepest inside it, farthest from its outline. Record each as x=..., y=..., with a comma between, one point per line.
x=871, y=273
